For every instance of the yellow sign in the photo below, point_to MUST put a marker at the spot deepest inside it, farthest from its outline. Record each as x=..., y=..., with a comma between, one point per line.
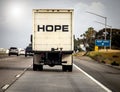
x=96, y=48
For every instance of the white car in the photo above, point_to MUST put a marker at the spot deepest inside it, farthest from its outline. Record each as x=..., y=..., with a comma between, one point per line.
x=22, y=52
x=13, y=51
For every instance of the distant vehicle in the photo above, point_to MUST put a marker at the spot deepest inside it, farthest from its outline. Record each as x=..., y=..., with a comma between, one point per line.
x=22, y=52
x=28, y=51
x=13, y=51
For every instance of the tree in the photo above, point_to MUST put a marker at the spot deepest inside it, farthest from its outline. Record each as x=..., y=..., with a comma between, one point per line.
x=115, y=41
x=77, y=44
x=89, y=38
x=115, y=33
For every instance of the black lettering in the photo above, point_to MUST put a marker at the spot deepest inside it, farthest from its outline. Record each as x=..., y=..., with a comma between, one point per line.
x=57, y=27
x=43, y=28
x=49, y=28
x=65, y=28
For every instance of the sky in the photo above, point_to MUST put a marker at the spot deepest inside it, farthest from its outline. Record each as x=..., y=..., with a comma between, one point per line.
x=16, y=17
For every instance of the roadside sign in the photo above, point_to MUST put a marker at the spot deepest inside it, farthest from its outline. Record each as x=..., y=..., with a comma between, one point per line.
x=102, y=43
x=96, y=48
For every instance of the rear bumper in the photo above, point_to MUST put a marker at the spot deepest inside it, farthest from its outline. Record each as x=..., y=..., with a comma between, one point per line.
x=64, y=52
x=53, y=58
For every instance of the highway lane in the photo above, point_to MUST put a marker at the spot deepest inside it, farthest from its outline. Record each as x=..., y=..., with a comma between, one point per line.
x=11, y=67
x=108, y=76
x=53, y=79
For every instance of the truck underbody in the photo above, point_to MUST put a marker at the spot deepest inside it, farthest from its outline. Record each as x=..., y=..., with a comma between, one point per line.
x=53, y=58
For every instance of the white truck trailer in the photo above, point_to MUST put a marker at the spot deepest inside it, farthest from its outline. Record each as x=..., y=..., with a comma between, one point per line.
x=52, y=41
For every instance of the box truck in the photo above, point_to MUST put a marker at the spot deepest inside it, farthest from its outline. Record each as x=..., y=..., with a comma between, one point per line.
x=52, y=38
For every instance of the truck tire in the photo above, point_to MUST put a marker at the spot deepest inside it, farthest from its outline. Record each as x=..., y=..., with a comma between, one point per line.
x=70, y=68
x=34, y=67
x=37, y=67
x=40, y=67
x=64, y=68
x=67, y=68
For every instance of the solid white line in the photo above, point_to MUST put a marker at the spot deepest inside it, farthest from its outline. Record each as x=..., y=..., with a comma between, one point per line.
x=18, y=75
x=101, y=85
x=5, y=87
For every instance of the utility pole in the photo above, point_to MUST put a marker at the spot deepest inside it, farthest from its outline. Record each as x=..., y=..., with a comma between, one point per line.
x=105, y=18
x=110, y=32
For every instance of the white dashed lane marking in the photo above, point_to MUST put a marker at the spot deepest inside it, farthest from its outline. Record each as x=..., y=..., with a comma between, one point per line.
x=5, y=86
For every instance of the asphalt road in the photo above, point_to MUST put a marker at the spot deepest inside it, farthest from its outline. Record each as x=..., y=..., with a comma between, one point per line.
x=105, y=74
x=17, y=75
x=11, y=67
x=54, y=80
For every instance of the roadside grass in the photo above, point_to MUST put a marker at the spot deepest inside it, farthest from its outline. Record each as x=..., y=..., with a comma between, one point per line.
x=108, y=57
x=79, y=53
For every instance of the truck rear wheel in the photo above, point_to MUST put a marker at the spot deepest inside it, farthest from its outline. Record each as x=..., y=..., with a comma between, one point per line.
x=34, y=67
x=64, y=68
x=70, y=68
x=40, y=67
x=67, y=68
x=37, y=67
